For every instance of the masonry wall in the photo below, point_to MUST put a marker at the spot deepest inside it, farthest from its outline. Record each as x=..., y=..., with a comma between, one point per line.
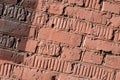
x=59, y=39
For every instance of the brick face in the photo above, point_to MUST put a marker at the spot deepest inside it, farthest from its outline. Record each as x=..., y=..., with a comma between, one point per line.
x=112, y=61
x=59, y=39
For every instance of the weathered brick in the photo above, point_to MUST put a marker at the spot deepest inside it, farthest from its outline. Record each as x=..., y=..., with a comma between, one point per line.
x=112, y=61
x=93, y=72
x=39, y=18
x=8, y=2
x=50, y=76
x=117, y=36
x=59, y=36
x=17, y=72
x=14, y=28
x=77, y=2
x=11, y=56
x=49, y=48
x=67, y=77
x=92, y=43
x=117, y=75
x=95, y=4
x=110, y=7
x=28, y=3
x=1, y=9
x=16, y=13
x=31, y=46
x=31, y=75
x=56, y=8
x=71, y=54
x=102, y=32
x=82, y=13
x=93, y=57
x=115, y=22
x=21, y=44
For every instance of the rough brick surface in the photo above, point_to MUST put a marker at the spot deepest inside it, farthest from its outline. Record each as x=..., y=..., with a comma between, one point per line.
x=59, y=39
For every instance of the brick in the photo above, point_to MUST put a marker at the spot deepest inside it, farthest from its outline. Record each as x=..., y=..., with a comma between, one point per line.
x=51, y=64
x=11, y=56
x=67, y=77
x=56, y=8
x=59, y=36
x=15, y=13
x=49, y=48
x=21, y=44
x=5, y=69
x=116, y=49
x=29, y=74
x=110, y=7
x=8, y=2
x=14, y=28
x=42, y=6
x=1, y=9
x=102, y=32
x=50, y=76
x=93, y=72
x=115, y=22
x=117, y=75
x=71, y=54
x=77, y=2
x=17, y=72
x=93, y=57
x=39, y=19
x=28, y=3
x=92, y=43
x=95, y=4
x=31, y=46
x=112, y=61
x=82, y=13
x=70, y=24
x=117, y=36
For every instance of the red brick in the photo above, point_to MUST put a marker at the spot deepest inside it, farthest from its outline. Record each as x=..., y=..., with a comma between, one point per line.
x=71, y=54
x=92, y=43
x=29, y=74
x=56, y=8
x=27, y=4
x=77, y=2
x=17, y=72
x=116, y=49
x=115, y=21
x=95, y=4
x=93, y=72
x=102, y=32
x=60, y=36
x=21, y=44
x=117, y=36
x=31, y=46
x=93, y=57
x=39, y=18
x=117, y=75
x=67, y=77
x=110, y=7
x=42, y=6
x=112, y=61
x=49, y=48
x=48, y=76
x=82, y=13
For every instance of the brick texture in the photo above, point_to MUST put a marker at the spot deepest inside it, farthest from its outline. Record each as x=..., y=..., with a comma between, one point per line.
x=59, y=39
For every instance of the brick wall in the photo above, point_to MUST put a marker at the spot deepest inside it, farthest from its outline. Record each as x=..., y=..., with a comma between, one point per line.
x=59, y=39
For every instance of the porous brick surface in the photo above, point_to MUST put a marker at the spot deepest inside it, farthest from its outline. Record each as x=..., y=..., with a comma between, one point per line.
x=59, y=39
